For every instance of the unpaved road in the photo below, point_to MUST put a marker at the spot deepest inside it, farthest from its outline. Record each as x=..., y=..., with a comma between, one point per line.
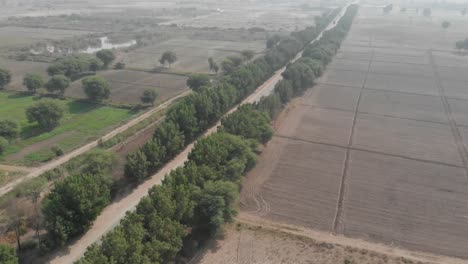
x=35, y=172
x=112, y=214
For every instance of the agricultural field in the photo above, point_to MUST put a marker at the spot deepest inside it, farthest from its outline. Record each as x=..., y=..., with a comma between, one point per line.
x=127, y=86
x=377, y=149
x=19, y=69
x=192, y=53
x=81, y=123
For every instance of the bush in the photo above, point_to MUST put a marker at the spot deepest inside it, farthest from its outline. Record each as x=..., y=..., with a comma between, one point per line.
x=5, y=78
x=8, y=255
x=33, y=82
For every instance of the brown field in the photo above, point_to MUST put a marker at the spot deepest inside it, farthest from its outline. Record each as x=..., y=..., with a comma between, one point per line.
x=377, y=154
x=192, y=54
x=127, y=86
x=19, y=69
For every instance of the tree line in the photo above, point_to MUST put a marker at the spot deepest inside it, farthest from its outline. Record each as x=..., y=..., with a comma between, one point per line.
x=196, y=200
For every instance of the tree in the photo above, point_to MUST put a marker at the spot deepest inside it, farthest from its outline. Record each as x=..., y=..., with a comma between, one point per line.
x=213, y=65
x=463, y=11
x=445, y=24
x=58, y=83
x=149, y=96
x=136, y=166
x=47, y=113
x=227, y=66
x=96, y=88
x=388, y=8
x=248, y=123
x=198, y=81
x=33, y=82
x=75, y=66
x=98, y=161
x=168, y=57
x=106, y=56
x=247, y=55
x=8, y=255
x=9, y=129
x=3, y=144
x=73, y=204
x=5, y=78
x=170, y=137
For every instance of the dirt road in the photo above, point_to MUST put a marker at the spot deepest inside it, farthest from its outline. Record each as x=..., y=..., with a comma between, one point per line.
x=35, y=172
x=112, y=215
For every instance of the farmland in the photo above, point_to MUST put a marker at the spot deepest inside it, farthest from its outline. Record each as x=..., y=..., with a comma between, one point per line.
x=81, y=123
x=127, y=86
x=377, y=149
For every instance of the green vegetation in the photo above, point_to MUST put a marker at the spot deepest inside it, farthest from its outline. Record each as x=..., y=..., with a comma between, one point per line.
x=96, y=88
x=3, y=144
x=58, y=83
x=46, y=113
x=445, y=24
x=168, y=57
x=5, y=78
x=76, y=66
x=106, y=56
x=197, y=81
x=213, y=65
x=8, y=255
x=81, y=123
x=33, y=82
x=9, y=129
x=149, y=96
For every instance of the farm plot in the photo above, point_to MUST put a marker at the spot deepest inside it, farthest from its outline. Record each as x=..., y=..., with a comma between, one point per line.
x=332, y=96
x=23, y=36
x=394, y=104
x=128, y=86
x=300, y=186
x=82, y=122
x=418, y=205
x=348, y=64
x=407, y=69
x=406, y=84
x=19, y=69
x=344, y=78
x=192, y=54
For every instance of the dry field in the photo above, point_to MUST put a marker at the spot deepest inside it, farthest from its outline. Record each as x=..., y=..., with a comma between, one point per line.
x=378, y=149
x=192, y=54
x=19, y=69
x=251, y=244
x=127, y=86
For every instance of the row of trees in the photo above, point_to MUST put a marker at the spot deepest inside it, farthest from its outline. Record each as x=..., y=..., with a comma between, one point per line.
x=216, y=163
x=200, y=197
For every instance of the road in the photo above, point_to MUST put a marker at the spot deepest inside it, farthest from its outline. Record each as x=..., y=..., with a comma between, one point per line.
x=35, y=172
x=111, y=215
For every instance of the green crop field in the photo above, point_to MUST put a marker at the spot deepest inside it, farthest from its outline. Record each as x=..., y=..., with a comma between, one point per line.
x=81, y=123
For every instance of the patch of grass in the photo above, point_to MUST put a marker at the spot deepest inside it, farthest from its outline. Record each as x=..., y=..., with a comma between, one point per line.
x=82, y=123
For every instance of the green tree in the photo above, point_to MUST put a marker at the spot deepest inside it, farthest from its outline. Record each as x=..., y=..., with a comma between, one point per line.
x=155, y=154
x=216, y=205
x=73, y=204
x=33, y=82
x=170, y=137
x=247, y=55
x=58, y=83
x=96, y=88
x=149, y=96
x=106, y=56
x=3, y=144
x=248, y=123
x=168, y=57
x=5, y=78
x=98, y=161
x=74, y=66
x=47, y=113
x=227, y=66
x=213, y=65
x=136, y=166
x=9, y=129
x=197, y=81
x=8, y=255
x=445, y=24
